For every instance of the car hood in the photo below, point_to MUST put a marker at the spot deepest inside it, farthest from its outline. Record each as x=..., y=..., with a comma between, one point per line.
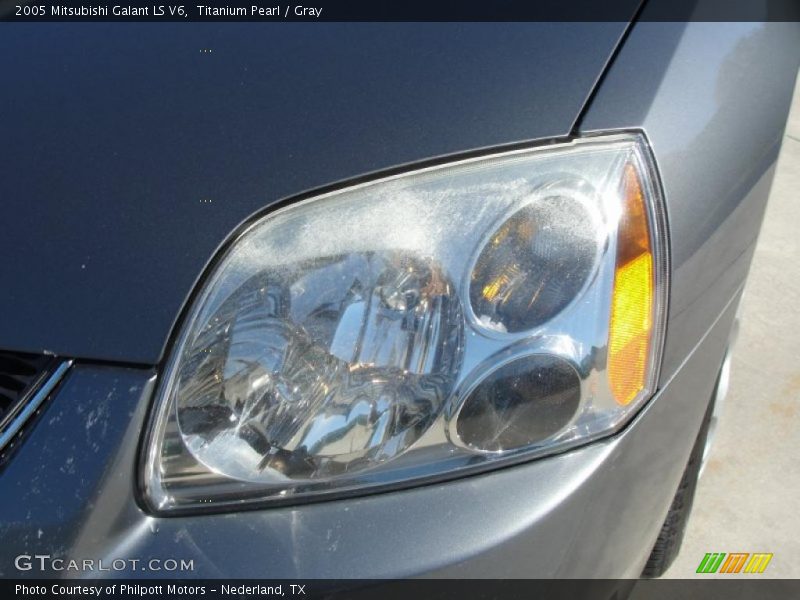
x=130, y=153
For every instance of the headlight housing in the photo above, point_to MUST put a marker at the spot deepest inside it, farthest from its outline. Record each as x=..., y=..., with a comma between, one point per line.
x=433, y=323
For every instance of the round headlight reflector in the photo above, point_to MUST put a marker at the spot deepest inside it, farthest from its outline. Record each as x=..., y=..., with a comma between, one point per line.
x=522, y=403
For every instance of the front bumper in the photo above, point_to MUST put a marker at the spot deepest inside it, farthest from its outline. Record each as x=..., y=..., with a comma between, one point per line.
x=71, y=492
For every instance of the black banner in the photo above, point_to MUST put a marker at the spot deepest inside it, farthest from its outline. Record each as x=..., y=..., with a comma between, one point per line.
x=735, y=588
x=408, y=10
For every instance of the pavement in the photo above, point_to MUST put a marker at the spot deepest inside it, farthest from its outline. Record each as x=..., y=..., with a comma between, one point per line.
x=748, y=498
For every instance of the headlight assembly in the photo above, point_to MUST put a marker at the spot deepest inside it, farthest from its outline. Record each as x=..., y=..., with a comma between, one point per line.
x=429, y=324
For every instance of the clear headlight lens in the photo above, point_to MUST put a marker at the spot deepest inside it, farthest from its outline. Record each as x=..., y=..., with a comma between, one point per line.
x=322, y=367
x=434, y=322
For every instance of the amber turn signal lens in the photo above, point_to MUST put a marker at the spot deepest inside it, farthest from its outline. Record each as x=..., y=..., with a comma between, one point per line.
x=631, y=326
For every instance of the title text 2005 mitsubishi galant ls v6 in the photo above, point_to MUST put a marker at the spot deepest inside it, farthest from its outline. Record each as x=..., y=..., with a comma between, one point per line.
x=373, y=300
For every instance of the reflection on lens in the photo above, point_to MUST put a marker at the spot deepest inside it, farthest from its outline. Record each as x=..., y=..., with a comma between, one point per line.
x=523, y=402
x=337, y=363
x=533, y=265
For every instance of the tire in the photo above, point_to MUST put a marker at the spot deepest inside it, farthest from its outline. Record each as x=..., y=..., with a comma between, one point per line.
x=670, y=537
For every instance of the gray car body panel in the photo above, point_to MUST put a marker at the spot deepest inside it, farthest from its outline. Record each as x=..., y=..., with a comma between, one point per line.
x=713, y=100
x=592, y=512
x=127, y=167
x=556, y=517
